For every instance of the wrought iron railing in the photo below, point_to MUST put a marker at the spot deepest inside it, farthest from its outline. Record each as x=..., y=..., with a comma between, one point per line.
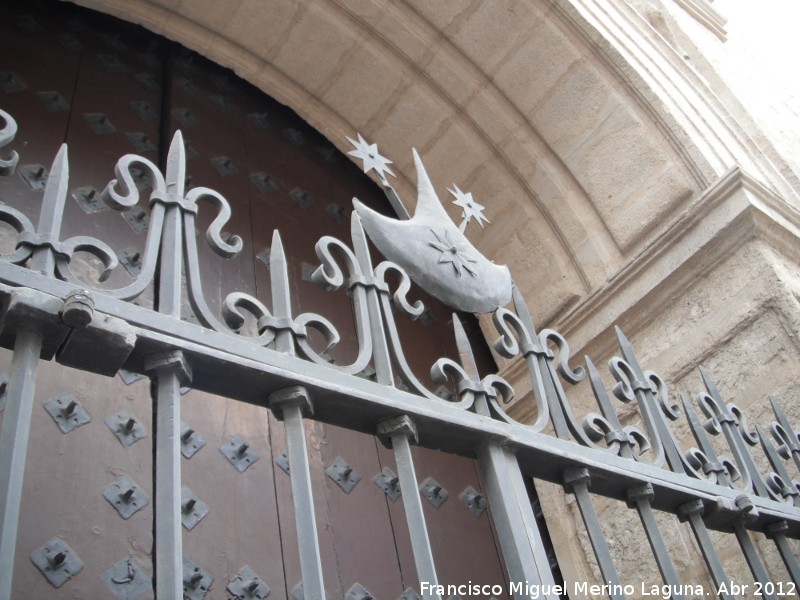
x=50, y=311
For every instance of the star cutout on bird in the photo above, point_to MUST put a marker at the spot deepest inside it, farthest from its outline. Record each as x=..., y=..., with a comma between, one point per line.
x=373, y=161
x=453, y=253
x=471, y=209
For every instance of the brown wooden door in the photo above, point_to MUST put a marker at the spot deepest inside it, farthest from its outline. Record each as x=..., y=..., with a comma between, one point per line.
x=107, y=89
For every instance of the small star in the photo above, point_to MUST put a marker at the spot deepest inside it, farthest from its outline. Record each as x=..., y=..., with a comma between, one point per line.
x=371, y=157
x=453, y=254
x=471, y=208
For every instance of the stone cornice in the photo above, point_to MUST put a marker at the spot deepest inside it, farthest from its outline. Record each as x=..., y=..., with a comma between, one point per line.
x=704, y=13
x=699, y=125
x=727, y=215
x=731, y=213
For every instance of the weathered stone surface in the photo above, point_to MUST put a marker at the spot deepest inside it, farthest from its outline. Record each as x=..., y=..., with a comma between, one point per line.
x=446, y=78
x=299, y=50
x=731, y=307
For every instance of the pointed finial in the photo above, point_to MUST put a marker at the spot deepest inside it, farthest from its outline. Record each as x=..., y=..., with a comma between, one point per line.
x=176, y=165
x=359, y=237
x=428, y=205
x=627, y=352
x=55, y=190
x=465, y=349
x=279, y=277
x=521, y=307
x=51, y=213
x=710, y=386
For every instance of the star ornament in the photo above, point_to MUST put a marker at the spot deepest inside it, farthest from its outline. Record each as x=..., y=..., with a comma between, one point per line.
x=471, y=209
x=372, y=159
x=453, y=253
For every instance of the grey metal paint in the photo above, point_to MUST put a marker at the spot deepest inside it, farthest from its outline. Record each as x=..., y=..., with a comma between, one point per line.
x=14, y=448
x=436, y=255
x=289, y=404
x=577, y=482
x=399, y=433
x=278, y=366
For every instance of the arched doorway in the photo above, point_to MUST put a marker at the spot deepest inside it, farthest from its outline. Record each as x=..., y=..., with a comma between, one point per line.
x=107, y=89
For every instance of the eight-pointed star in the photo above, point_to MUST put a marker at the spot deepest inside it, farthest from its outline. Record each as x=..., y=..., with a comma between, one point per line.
x=371, y=157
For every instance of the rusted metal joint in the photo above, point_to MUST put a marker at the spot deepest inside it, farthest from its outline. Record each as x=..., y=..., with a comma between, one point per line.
x=78, y=310
x=747, y=510
x=402, y=425
x=295, y=395
x=640, y=493
x=171, y=361
x=689, y=509
x=576, y=477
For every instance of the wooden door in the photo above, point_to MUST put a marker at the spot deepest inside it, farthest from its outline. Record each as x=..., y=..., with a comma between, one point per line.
x=106, y=89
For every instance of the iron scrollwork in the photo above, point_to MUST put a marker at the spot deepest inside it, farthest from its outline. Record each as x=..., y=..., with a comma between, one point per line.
x=382, y=292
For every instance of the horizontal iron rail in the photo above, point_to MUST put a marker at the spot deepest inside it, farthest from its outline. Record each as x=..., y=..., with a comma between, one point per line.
x=235, y=368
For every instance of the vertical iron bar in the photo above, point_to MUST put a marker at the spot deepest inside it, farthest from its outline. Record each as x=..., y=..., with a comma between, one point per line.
x=166, y=372
x=22, y=383
x=524, y=553
x=658, y=430
x=777, y=531
x=734, y=436
x=692, y=512
x=535, y=360
x=557, y=418
x=380, y=349
x=169, y=286
x=380, y=357
x=577, y=482
x=520, y=540
x=168, y=540
x=529, y=520
x=640, y=498
x=423, y=555
x=168, y=535
x=14, y=446
x=748, y=548
x=398, y=433
x=288, y=405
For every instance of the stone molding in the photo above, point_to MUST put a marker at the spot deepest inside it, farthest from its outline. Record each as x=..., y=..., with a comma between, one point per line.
x=736, y=210
x=706, y=15
x=549, y=187
x=699, y=126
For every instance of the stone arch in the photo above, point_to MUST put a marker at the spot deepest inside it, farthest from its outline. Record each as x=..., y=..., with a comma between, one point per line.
x=583, y=161
x=510, y=102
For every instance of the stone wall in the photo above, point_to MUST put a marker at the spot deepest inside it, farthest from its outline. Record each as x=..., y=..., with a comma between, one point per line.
x=730, y=306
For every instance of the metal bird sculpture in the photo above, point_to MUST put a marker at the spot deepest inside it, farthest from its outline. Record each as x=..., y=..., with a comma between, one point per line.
x=436, y=254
